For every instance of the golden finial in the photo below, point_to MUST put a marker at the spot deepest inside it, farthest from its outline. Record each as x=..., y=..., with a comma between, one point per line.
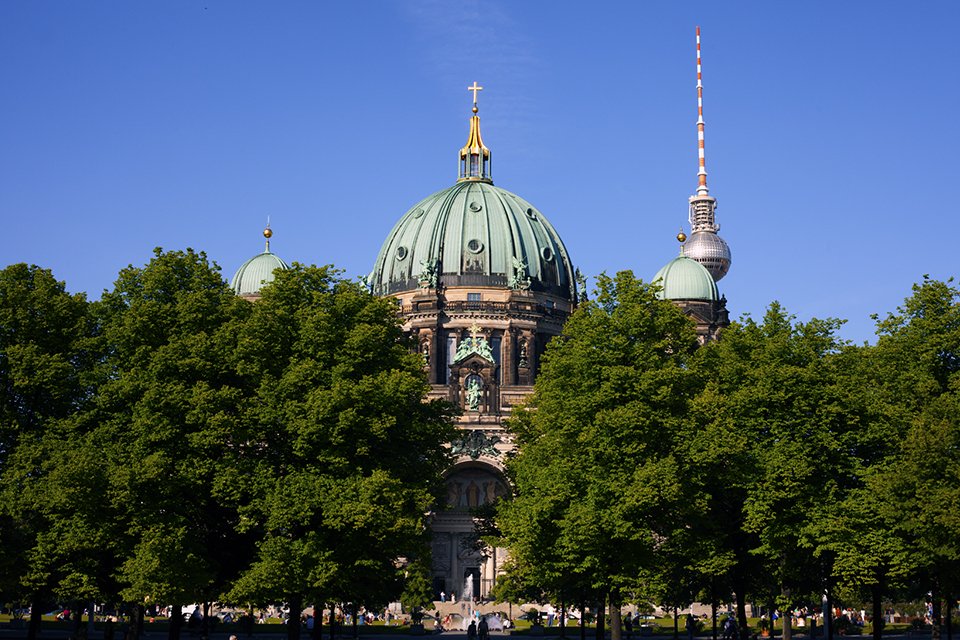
x=268, y=233
x=474, y=329
x=681, y=237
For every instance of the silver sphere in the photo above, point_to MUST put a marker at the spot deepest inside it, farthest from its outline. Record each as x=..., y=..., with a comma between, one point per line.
x=710, y=250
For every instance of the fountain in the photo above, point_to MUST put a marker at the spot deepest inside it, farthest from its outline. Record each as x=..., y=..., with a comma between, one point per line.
x=467, y=594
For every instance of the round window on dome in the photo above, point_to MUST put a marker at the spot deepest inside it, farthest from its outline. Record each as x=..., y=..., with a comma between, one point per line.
x=475, y=246
x=547, y=254
x=418, y=213
x=475, y=206
x=531, y=213
x=401, y=253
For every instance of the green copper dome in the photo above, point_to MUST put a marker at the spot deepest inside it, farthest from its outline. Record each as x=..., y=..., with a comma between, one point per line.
x=258, y=270
x=474, y=234
x=684, y=278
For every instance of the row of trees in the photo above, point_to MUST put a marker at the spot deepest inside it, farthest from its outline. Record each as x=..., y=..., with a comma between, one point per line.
x=172, y=443
x=778, y=465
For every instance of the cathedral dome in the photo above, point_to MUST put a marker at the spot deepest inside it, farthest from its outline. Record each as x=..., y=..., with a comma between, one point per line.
x=257, y=271
x=686, y=279
x=474, y=234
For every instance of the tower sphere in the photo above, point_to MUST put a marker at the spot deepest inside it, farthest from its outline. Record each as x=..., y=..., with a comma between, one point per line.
x=710, y=250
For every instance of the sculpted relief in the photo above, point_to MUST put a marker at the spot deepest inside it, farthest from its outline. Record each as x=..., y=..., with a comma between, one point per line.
x=471, y=488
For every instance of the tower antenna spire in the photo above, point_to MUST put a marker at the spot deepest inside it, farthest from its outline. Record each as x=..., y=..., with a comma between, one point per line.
x=704, y=245
x=702, y=189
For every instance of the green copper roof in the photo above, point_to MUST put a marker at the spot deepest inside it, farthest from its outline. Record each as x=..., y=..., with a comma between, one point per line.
x=256, y=272
x=686, y=279
x=473, y=234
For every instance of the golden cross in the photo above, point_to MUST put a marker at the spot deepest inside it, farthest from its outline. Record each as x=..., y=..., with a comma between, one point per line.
x=474, y=88
x=474, y=328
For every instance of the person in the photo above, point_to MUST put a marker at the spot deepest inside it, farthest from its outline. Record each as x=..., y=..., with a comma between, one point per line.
x=628, y=625
x=484, y=629
x=443, y=596
x=453, y=597
x=472, y=630
x=690, y=625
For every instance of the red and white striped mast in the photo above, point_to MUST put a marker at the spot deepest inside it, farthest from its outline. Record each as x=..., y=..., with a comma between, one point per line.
x=702, y=173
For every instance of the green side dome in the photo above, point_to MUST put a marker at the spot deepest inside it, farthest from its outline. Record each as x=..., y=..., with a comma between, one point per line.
x=684, y=278
x=474, y=234
x=257, y=271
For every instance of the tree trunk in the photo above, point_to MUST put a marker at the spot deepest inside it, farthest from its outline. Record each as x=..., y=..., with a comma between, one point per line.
x=36, y=610
x=713, y=612
x=354, y=619
x=333, y=619
x=293, y=620
x=176, y=622
x=787, y=616
x=676, y=624
x=77, y=620
x=563, y=619
x=616, y=622
x=876, y=592
x=205, y=624
x=935, y=596
x=136, y=626
x=583, y=625
x=91, y=618
x=742, y=611
x=601, y=616
x=827, y=615
x=948, y=617
x=317, y=622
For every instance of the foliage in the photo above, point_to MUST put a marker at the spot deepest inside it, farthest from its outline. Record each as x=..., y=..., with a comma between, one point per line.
x=340, y=457
x=47, y=358
x=596, y=485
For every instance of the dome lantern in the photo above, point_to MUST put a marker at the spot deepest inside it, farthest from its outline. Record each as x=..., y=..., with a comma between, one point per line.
x=475, y=156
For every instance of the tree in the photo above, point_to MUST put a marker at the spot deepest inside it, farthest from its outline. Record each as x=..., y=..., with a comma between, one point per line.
x=339, y=455
x=147, y=449
x=918, y=364
x=596, y=485
x=46, y=360
x=773, y=397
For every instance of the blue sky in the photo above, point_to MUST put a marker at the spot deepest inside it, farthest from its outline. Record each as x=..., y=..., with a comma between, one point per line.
x=830, y=133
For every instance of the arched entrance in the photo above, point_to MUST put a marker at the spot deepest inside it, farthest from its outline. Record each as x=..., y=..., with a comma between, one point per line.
x=461, y=565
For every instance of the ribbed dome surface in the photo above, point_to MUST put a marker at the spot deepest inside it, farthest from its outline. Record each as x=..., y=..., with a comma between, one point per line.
x=686, y=279
x=255, y=272
x=469, y=235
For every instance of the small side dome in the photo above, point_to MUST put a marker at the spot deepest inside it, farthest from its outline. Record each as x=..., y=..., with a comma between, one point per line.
x=257, y=271
x=686, y=279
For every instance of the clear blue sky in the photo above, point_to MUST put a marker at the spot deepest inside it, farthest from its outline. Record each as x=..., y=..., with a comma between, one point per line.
x=831, y=134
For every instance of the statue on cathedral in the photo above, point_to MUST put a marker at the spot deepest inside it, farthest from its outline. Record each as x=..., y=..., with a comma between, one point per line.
x=474, y=343
x=474, y=391
x=523, y=361
x=519, y=279
x=428, y=277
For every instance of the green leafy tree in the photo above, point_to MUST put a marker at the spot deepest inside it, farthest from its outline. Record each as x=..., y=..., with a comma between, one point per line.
x=773, y=400
x=166, y=409
x=918, y=361
x=596, y=483
x=46, y=364
x=341, y=454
